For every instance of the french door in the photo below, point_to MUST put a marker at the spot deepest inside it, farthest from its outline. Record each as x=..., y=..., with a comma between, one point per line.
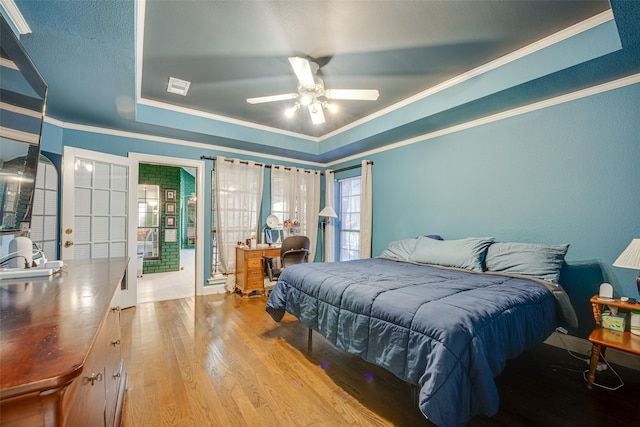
x=96, y=197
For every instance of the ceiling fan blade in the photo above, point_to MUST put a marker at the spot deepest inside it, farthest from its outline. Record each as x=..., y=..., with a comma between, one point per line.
x=317, y=116
x=272, y=98
x=355, y=94
x=302, y=68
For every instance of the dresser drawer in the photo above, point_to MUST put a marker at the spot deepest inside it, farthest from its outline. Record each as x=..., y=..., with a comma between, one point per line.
x=252, y=254
x=274, y=252
x=255, y=273
x=255, y=283
x=254, y=263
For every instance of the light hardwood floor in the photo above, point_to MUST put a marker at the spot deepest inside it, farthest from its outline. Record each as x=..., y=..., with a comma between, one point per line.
x=220, y=360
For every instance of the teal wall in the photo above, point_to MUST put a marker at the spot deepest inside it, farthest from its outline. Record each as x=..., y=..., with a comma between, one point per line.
x=563, y=174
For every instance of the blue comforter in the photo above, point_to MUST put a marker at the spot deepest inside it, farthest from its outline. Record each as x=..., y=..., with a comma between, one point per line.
x=448, y=330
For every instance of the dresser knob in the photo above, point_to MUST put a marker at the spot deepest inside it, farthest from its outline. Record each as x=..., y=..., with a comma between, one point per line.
x=115, y=343
x=93, y=378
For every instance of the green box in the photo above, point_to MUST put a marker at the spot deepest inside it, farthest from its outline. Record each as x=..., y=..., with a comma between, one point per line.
x=616, y=322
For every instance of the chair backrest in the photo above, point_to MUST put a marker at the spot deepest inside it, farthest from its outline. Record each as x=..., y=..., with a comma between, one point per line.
x=294, y=250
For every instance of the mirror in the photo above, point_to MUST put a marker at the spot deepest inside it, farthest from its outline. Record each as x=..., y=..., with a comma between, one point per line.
x=23, y=94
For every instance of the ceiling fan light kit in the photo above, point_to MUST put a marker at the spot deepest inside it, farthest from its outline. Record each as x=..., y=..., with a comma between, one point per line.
x=312, y=94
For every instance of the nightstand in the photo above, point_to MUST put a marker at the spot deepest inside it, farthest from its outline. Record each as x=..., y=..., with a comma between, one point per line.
x=602, y=338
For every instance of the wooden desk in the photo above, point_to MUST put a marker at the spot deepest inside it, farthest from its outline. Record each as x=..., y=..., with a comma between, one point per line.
x=249, y=268
x=601, y=338
x=60, y=350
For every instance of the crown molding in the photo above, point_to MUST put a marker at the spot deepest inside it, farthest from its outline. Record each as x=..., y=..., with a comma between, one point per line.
x=174, y=141
x=573, y=96
x=16, y=16
x=594, y=90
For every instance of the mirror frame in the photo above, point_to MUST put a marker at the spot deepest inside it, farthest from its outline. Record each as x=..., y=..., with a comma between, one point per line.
x=25, y=108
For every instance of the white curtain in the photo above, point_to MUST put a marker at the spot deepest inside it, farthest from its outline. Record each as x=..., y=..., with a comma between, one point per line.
x=296, y=193
x=283, y=190
x=238, y=197
x=329, y=200
x=365, y=210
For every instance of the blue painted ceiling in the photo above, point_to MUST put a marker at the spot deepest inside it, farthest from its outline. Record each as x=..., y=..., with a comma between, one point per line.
x=107, y=64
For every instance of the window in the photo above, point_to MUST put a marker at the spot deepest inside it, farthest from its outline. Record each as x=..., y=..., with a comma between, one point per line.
x=349, y=229
x=295, y=197
x=149, y=221
x=281, y=195
x=44, y=217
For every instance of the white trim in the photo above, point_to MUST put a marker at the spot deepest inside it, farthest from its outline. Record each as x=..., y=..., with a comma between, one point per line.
x=7, y=63
x=583, y=346
x=16, y=16
x=19, y=135
x=213, y=289
x=548, y=41
x=20, y=110
x=141, y=11
x=212, y=116
x=573, y=96
x=199, y=165
x=182, y=142
x=56, y=122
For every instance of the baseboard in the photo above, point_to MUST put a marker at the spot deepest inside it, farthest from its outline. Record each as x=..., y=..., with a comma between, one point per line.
x=583, y=346
x=214, y=288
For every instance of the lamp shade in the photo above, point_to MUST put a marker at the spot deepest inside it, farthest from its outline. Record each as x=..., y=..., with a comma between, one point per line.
x=328, y=212
x=630, y=257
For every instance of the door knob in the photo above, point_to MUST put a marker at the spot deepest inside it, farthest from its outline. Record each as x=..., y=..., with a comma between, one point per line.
x=68, y=231
x=68, y=243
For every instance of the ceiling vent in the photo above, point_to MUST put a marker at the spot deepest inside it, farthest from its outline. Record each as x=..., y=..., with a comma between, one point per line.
x=181, y=87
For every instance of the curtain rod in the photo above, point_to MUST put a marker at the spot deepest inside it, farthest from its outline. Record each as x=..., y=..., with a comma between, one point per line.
x=246, y=162
x=346, y=168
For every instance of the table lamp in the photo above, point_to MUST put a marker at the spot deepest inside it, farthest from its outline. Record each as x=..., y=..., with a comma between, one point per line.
x=327, y=213
x=630, y=258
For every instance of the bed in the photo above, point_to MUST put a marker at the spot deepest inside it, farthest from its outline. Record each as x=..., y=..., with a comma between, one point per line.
x=447, y=326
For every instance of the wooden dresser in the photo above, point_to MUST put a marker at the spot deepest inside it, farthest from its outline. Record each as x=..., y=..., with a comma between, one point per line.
x=60, y=353
x=249, y=269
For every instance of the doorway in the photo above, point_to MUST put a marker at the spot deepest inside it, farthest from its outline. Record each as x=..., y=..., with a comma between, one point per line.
x=185, y=277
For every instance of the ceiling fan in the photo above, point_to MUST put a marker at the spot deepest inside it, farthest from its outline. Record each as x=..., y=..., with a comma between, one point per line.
x=312, y=93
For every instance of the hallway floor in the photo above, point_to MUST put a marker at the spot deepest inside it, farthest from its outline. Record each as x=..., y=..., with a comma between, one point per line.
x=172, y=285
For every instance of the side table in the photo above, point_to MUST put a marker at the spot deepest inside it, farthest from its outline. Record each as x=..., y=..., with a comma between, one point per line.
x=601, y=338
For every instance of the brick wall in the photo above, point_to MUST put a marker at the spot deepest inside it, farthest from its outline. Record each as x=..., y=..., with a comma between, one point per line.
x=168, y=178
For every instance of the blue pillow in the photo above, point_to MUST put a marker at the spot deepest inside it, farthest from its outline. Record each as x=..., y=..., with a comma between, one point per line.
x=463, y=253
x=433, y=236
x=527, y=259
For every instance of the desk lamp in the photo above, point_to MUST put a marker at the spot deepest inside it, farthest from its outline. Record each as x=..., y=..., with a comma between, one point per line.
x=630, y=258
